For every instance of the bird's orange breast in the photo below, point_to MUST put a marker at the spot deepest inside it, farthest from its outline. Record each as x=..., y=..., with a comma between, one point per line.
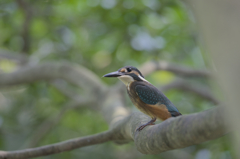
x=159, y=111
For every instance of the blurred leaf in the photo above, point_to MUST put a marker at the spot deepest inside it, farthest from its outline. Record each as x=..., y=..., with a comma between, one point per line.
x=162, y=77
x=7, y=66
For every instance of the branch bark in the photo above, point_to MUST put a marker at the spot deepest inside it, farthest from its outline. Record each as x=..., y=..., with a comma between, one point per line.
x=171, y=134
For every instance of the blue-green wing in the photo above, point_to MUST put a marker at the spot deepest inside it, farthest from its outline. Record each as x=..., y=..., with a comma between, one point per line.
x=151, y=95
x=147, y=95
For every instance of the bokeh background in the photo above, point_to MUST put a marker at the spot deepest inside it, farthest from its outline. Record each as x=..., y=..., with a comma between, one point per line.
x=101, y=35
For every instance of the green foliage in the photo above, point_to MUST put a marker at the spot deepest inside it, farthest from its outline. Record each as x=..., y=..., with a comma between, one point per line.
x=102, y=35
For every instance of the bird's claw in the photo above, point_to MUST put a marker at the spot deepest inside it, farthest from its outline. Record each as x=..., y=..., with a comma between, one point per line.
x=151, y=122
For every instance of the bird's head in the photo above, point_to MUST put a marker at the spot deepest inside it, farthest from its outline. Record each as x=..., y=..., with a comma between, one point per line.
x=127, y=74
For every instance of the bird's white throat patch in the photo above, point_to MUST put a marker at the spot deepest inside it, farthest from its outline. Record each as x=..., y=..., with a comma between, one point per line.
x=126, y=79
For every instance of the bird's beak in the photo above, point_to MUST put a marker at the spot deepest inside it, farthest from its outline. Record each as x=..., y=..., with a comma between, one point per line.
x=113, y=74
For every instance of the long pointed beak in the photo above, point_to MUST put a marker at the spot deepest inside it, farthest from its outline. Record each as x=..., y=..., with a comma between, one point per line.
x=113, y=74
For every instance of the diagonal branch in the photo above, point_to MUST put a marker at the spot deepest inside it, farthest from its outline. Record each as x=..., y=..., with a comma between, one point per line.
x=152, y=66
x=58, y=147
x=198, y=90
x=16, y=57
x=49, y=71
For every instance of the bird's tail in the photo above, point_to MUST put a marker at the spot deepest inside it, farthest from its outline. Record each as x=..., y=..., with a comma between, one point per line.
x=175, y=114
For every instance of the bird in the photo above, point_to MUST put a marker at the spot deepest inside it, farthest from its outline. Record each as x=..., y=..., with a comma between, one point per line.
x=146, y=97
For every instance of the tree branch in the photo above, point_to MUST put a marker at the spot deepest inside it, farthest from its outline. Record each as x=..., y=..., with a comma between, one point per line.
x=49, y=71
x=26, y=25
x=152, y=66
x=16, y=57
x=58, y=147
x=171, y=134
x=63, y=87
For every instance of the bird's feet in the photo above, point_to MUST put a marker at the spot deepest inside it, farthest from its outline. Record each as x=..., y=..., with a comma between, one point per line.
x=151, y=122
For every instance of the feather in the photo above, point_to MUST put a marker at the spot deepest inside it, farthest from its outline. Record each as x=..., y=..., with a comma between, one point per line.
x=151, y=96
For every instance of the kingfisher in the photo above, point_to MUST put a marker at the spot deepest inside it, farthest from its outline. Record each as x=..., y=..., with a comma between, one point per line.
x=146, y=97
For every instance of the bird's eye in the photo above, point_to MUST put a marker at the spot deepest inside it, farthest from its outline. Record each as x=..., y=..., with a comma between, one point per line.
x=129, y=69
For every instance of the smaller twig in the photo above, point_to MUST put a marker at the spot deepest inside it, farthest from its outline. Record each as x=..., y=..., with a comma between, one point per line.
x=152, y=66
x=198, y=90
x=26, y=25
x=19, y=58
x=58, y=147
x=62, y=86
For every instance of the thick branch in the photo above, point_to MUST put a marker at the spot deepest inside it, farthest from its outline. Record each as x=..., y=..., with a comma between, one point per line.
x=152, y=66
x=173, y=133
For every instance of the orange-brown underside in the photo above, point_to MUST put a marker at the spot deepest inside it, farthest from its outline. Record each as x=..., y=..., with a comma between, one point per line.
x=158, y=111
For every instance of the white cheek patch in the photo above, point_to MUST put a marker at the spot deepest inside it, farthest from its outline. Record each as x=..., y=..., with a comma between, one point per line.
x=126, y=79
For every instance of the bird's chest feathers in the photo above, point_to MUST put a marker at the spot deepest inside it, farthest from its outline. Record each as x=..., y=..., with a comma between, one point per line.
x=133, y=95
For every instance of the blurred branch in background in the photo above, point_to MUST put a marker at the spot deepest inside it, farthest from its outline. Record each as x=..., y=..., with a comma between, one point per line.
x=196, y=89
x=50, y=71
x=59, y=147
x=28, y=14
x=19, y=58
x=152, y=66
x=65, y=89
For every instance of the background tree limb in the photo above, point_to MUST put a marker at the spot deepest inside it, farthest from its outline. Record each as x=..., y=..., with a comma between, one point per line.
x=152, y=66
x=186, y=86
